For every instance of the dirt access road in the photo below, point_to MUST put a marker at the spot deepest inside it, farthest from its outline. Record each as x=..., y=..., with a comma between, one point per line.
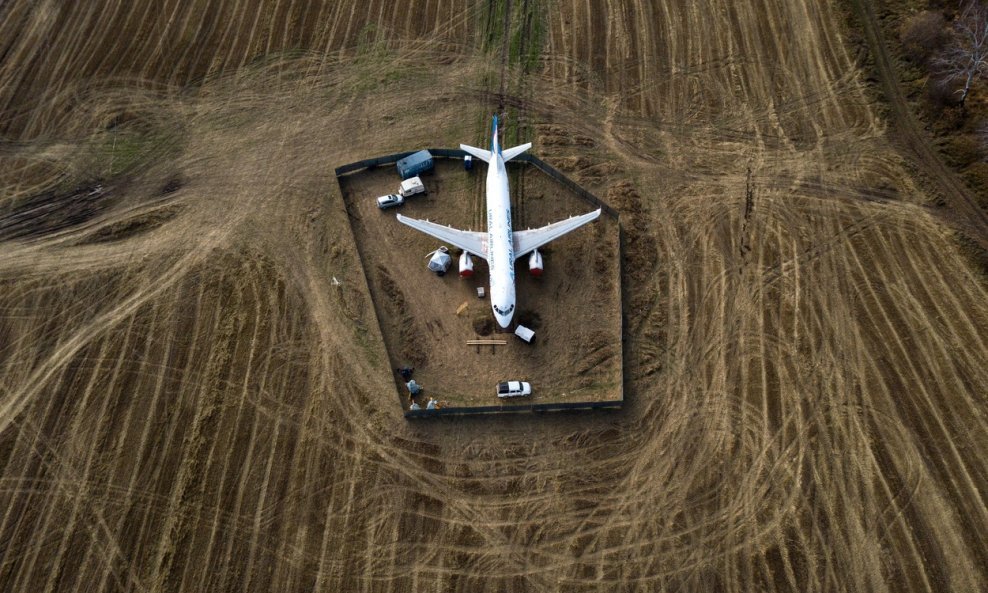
x=188, y=402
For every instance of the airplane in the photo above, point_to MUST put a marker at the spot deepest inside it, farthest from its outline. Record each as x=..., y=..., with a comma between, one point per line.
x=499, y=245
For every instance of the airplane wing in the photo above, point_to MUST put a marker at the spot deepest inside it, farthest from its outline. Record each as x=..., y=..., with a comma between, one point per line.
x=474, y=242
x=526, y=241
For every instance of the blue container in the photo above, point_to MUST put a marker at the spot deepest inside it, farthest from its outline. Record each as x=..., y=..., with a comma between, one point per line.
x=415, y=163
x=468, y=162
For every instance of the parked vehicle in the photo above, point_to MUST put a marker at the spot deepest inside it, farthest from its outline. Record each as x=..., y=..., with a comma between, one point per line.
x=411, y=187
x=513, y=389
x=390, y=201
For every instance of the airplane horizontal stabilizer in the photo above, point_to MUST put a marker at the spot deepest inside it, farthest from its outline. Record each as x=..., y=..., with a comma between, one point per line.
x=511, y=153
x=480, y=153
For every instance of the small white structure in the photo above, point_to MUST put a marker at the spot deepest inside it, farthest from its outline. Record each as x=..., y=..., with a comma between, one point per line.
x=524, y=333
x=440, y=260
x=411, y=187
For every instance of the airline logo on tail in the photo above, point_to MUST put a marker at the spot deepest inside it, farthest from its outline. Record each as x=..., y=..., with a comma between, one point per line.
x=495, y=145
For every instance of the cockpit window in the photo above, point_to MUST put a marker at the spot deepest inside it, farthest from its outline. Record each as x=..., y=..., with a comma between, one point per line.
x=501, y=311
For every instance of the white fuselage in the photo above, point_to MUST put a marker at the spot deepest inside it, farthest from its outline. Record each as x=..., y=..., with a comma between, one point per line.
x=500, y=244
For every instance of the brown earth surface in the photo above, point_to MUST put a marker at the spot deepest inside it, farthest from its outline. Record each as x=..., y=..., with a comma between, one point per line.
x=188, y=402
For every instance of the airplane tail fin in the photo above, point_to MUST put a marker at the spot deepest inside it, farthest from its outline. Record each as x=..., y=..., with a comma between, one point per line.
x=480, y=153
x=513, y=152
x=487, y=155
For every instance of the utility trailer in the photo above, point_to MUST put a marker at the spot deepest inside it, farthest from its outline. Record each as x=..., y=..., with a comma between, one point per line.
x=411, y=187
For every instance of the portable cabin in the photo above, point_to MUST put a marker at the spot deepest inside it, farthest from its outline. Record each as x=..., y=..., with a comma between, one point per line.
x=415, y=163
x=525, y=333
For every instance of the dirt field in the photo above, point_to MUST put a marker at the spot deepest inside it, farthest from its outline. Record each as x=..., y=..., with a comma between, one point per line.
x=575, y=307
x=188, y=402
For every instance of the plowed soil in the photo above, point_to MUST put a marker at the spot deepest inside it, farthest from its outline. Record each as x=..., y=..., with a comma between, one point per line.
x=188, y=402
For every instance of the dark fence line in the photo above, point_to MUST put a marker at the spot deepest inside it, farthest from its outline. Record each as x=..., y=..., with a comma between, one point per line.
x=456, y=153
x=374, y=162
x=569, y=183
x=532, y=408
x=390, y=159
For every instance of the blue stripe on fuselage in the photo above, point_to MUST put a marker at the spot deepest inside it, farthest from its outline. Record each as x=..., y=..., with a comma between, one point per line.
x=495, y=145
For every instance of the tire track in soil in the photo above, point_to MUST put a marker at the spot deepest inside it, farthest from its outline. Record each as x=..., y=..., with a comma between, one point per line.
x=61, y=465
x=742, y=460
x=506, y=39
x=925, y=415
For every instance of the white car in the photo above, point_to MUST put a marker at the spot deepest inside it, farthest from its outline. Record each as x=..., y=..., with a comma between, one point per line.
x=513, y=389
x=390, y=201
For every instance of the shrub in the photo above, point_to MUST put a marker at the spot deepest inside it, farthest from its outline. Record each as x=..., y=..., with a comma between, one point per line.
x=923, y=34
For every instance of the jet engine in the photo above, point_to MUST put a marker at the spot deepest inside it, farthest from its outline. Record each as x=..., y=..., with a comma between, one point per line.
x=466, y=265
x=535, y=264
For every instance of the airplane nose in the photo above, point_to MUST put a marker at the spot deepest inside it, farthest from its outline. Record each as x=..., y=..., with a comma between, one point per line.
x=503, y=320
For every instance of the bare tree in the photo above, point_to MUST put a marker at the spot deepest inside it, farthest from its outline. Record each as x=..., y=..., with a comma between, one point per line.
x=966, y=56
